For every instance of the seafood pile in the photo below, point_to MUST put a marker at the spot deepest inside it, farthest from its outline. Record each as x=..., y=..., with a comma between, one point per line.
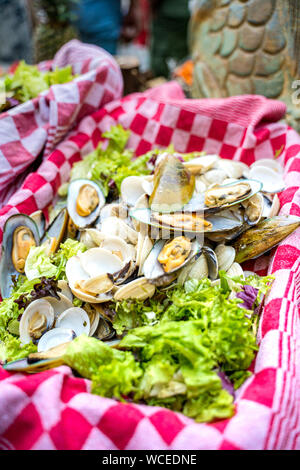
x=189, y=219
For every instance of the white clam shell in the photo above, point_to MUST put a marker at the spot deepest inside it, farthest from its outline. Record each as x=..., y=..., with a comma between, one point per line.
x=202, y=164
x=132, y=189
x=61, y=305
x=233, y=169
x=225, y=255
x=40, y=306
x=55, y=337
x=115, y=226
x=76, y=319
x=75, y=273
x=272, y=181
x=197, y=270
x=216, y=176
x=270, y=163
x=235, y=270
x=65, y=290
x=97, y=261
x=145, y=250
x=139, y=289
x=148, y=185
x=117, y=246
x=271, y=207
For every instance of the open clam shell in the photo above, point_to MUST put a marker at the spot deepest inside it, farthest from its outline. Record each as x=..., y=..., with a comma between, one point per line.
x=55, y=337
x=202, y=164
x=12, y=251
x=76, y=319
x=225, y=255
x=132, y=189
x=139, y=289
x=74, y=193
x=272, y=181
x=37, y=318
x=75, y=273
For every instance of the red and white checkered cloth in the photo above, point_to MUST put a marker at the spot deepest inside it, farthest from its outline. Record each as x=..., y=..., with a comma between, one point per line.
x=38, y=125
x=54, y=410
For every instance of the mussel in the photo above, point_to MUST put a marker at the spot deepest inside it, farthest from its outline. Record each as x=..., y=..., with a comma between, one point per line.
x=264, y=236
x=167, y=257
x=173, y=186
x=19, y=235
x=85, y=200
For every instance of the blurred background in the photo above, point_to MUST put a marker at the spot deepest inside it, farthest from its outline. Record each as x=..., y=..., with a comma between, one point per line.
x=148, y=37
x=214, y=48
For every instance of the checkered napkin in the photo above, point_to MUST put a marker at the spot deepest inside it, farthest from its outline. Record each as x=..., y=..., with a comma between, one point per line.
x=37, y=126
x=54, y=410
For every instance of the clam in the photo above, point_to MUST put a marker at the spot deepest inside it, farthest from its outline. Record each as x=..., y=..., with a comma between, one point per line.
x=272, y=180
x=114, y=226
x=92, y=237
x=55, y=337
x=143, y=249
x=94, y=317
x=65, y=290
x=76, y=276
x=55, y=233
x=215, y=176
x=19, y=235
x=148, y=184
x=233, y=169
x=264, y=236
x=139, y=289
x=271, y=206
x=225, y=255
x=104, y=330
x=97, y=261
x=235, y=270
x=76, y=319
x=37, y=318
x=202, y=164
x=173, y=186
x=85, y=199
x=268, y=162
x=113, y=210
x=167, y=257
x=59, y=306
x=197, y=269
x=254, y=207
x=132, y=189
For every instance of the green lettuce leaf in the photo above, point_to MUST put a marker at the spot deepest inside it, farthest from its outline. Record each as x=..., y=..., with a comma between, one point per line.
x=12, y=350
x=28, y=81
x=38, y=263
